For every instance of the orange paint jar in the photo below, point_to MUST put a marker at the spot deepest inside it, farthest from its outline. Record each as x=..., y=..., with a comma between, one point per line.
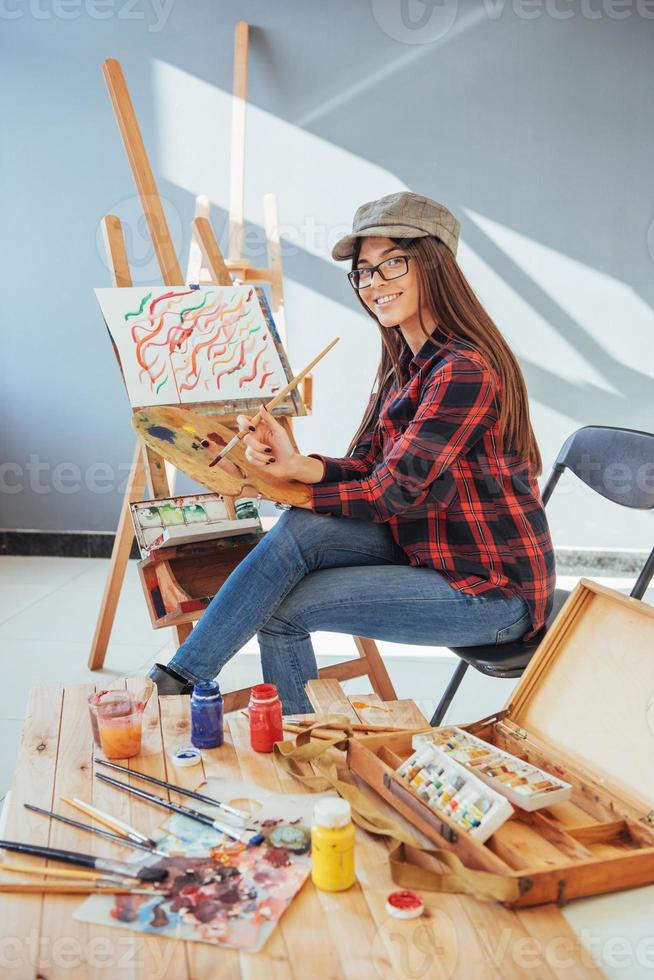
x=120, y=722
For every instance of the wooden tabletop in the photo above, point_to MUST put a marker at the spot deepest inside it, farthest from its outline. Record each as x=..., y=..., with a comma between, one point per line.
x=321, y=935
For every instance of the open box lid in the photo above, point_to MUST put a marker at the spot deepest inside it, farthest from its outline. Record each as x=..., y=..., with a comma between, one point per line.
x=588, y=691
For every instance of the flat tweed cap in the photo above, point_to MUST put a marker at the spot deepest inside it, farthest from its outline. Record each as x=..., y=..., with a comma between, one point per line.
x=402, y=215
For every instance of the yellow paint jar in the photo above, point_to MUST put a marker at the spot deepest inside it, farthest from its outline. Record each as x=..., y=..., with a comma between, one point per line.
x=332, y=845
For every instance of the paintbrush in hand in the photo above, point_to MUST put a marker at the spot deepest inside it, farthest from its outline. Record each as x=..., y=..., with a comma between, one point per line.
x=279, y=397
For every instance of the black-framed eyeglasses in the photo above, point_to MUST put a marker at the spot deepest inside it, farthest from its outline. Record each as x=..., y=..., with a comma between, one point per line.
x=393, y=268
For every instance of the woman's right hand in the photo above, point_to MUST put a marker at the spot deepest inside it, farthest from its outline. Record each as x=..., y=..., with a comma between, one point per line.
x=268, y=447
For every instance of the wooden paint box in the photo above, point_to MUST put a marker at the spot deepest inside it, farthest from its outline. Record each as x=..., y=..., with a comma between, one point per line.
x=180, y=578
x=180, y=582
x=584, y=712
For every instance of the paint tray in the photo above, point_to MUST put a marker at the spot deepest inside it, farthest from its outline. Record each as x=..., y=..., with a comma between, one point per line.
x=171, y=521
x=499, y=809
x=479, y=757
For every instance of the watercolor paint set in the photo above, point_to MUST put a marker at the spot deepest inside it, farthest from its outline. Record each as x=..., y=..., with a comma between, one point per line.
x=184, y=520
x=519, y=781
x=450, y=788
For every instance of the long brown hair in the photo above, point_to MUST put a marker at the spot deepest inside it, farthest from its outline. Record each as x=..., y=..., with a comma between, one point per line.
x=445, y=293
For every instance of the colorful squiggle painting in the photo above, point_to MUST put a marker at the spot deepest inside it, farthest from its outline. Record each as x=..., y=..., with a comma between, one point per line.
x=188, y=344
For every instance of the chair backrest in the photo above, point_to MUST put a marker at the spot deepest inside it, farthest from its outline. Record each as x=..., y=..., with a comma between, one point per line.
x=616, y=463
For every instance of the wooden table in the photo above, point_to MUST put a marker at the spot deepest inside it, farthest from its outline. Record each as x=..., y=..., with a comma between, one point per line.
x=321, y=935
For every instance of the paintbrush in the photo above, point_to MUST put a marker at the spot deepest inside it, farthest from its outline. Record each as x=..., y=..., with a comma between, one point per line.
x=106, y=834
x=37, y=869
x=185, y=811
x=177, y=789
x=317, y=732
x=63, y=888
x=279, y=397
x=87, y=860
x=356, y=727
x=122, y=828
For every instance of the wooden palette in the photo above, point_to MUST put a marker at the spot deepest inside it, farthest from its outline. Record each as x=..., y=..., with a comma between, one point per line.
x=190, y=441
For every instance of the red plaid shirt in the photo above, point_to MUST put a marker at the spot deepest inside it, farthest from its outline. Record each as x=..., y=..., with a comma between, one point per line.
x=431, y=467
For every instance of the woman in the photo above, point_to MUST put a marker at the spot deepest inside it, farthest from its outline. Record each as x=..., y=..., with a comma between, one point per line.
x=431, y=530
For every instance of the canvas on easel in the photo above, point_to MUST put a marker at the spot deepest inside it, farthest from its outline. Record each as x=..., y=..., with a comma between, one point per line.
x=195, y=344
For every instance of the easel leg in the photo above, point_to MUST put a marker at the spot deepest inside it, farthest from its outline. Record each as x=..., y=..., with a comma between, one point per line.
x=118, y=565
x=182, y=631
x=381, y=682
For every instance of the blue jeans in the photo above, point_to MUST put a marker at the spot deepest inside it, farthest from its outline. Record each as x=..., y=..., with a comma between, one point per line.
x=316, y=572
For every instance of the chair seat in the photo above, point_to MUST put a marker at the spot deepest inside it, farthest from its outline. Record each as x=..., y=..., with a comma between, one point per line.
x=509, y=659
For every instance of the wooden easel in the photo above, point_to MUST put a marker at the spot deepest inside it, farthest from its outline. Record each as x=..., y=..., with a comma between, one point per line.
x=147, y=465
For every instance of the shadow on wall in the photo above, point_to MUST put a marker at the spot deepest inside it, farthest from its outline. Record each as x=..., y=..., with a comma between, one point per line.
x=535, y=128
x=504, y=117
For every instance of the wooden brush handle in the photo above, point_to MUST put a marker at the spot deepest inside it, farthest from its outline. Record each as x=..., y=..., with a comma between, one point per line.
x=29, y=869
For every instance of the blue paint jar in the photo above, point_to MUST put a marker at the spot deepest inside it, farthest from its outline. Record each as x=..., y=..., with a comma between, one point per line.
x=206, y=715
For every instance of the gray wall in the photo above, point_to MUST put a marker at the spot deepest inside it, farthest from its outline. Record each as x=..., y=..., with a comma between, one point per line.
x=533, y=122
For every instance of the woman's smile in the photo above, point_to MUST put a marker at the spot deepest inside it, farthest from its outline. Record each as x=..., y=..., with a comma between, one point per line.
x=385, y=299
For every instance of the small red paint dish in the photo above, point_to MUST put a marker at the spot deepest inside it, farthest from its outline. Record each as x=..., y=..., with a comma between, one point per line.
x=405, y=905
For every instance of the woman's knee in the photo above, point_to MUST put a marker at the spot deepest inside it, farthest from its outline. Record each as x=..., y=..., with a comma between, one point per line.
x=288, y=618
x=304, y=530
x=298, y=520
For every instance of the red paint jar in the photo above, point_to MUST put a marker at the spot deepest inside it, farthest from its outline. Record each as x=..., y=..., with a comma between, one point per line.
x=265, y=710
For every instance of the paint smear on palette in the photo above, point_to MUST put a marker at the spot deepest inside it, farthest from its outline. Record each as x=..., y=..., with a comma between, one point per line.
x=233, y=901
x=193, y=513
x=222, y=893
x=184, y=345
x=171, y=514
x=162, y=432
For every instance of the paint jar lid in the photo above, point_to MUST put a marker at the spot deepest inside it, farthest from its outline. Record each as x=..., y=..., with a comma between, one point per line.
x=246, y=507
x=264, y=692
x=405, y=905
x=206, y=690
x=186, y=755
x=332, y=812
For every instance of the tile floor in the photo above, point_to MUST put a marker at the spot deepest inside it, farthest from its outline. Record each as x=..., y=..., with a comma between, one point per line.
x=48, y=610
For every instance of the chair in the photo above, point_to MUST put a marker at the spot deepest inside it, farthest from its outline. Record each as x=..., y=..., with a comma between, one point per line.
x=368, y=663
x=619, y=465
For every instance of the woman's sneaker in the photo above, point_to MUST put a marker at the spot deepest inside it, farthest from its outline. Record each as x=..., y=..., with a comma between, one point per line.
x=168, y=681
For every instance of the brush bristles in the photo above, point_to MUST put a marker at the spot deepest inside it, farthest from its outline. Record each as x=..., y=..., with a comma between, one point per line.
x=153, y=874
